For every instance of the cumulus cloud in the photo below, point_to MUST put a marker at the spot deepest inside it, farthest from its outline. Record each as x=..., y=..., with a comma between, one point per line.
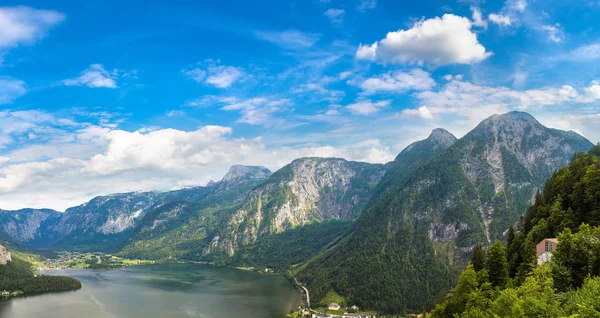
x=95, y=76
x=367, y=52
x=10, y=89
x=290, y=39
x=25, y=25
x=436, y=41
x=398, y=82
x=217, y=75
x=336, y=16
x=367, y=107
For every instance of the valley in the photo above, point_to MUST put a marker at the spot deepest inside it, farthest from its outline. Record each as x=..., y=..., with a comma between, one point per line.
x=389, y=238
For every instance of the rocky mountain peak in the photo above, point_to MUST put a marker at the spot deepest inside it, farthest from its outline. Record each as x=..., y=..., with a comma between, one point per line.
x=442, y=137
x=439, y=139
x=4, y=255
x=238, y=172
x=510, y=124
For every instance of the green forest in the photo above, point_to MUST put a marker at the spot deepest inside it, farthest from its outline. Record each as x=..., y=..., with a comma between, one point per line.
x=18, y=277
x=506, y=281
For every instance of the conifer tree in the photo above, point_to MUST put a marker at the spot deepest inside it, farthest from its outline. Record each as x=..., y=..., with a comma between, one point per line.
x=478, y=258
x=496, y=265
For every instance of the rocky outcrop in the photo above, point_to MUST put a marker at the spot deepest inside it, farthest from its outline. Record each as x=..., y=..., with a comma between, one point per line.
x=238, y=172
x=307, y=190
x=4, y=255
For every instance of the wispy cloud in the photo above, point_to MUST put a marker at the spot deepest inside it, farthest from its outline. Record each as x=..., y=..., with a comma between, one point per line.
x=95, y=76
x=212, y=73
x=336, y=16
x=10, y=89
x=398, y=82
x=367, y=107
x=555, y=34
x=257, y=110
x=25, y=25
x=366, y=5
x=289, y=39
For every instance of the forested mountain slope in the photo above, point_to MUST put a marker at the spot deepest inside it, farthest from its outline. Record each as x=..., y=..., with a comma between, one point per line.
x=415, y=233
x=509, y=282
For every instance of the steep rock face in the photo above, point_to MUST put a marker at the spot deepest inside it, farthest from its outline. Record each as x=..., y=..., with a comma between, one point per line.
x=179, y=228
x=107, y=214
x=422, y=228
x=27, y=225
x=506, y=159
x=307, y=190
x=4, y=255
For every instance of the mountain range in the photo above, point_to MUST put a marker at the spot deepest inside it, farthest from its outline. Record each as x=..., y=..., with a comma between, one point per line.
x=387, y=237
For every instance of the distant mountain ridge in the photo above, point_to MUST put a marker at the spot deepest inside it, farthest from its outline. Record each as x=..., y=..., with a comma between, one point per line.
x=105, y=222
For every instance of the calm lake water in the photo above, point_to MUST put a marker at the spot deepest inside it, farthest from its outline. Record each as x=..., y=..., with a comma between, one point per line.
x=167, y=290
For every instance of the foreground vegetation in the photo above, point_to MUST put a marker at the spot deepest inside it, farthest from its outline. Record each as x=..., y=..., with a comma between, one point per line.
x=17, y=277
x=507, y=282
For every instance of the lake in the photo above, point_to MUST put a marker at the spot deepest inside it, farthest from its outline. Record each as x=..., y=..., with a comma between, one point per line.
x=165, y=290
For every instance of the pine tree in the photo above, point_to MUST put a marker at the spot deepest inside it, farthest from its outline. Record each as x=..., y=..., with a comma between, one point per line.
x=478, y=258
x=496, y=265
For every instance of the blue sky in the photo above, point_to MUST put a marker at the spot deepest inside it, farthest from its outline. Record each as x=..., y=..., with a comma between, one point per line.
x=106, y=96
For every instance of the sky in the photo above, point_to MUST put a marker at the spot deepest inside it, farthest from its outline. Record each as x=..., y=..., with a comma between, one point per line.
x=98, y=97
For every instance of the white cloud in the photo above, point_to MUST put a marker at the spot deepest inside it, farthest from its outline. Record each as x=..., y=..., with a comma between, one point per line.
x=367, y=107
x=436, y=41
x=591, y=93
x=95, y=76
x=477, y=17
x=116, y=160
x=220, y=76
x=421, y=112
x=476, y=102
x=450, y=77
x=555, y=34
x=320, y=87
x=499, y=19
x=11, y=89
x=516, y=5
x=366, y=5
x=196, y=74
x=224, y=76
x=290, y=39
x=584, y=53
x=336, y=16
x=398, y=82
x=24, y=25
x=367, y=52
x=257, y=110
x=344, y=75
